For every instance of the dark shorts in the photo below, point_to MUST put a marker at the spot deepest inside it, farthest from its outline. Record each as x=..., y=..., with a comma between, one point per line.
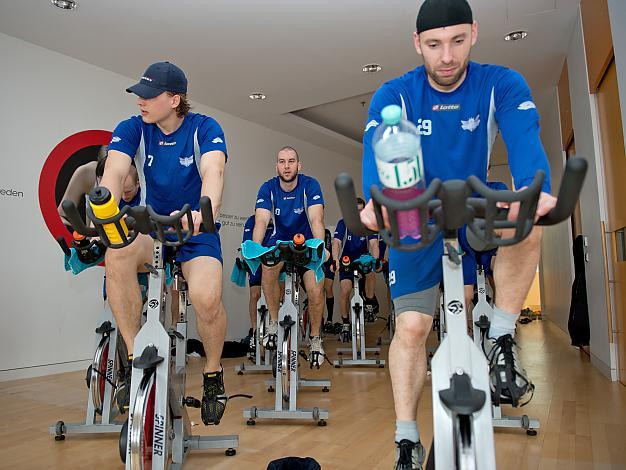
x=255, y=279
x=328, y=274
x=205, y=244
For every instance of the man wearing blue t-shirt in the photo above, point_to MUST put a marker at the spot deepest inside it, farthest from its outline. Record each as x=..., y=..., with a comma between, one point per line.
x=458, y=107
x=345, y=243
x=296, y=204
x=180, y=156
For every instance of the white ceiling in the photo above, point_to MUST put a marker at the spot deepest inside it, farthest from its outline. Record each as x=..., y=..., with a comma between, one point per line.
x=305, y=56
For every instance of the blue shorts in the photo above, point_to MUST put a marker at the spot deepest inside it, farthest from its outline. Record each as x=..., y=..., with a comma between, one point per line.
x=480, y=257
x=255, y=279
x=416, y=271
x=204, y=244
x=343, y=275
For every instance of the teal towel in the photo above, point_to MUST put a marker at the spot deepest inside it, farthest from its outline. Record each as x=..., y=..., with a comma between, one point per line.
x=238, y=276
x=253, y=251
x=72, y=263
x=367, y=263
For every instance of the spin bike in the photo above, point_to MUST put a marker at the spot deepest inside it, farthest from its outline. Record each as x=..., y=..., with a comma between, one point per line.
x=105, y=379
x=295, y=255
x=262, y=358
x=461, y=390
x=360, y=268
x=157, y=434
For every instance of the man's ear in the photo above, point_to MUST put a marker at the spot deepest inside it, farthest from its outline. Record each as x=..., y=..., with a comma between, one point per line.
x=417, y=43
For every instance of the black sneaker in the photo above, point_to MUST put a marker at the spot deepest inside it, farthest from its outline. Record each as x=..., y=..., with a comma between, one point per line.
x=122, y=393
x=509, y=382
x=409, y=455
x=213, y=398
x=328, y=327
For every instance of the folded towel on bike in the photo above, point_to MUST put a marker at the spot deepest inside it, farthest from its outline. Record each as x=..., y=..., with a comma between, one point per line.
x=367, y=263
x=252, y=253
x=72, y=263
x=238, y=276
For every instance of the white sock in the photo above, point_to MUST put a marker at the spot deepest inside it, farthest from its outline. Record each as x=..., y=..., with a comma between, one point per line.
x=502, y=323
x=407, y=430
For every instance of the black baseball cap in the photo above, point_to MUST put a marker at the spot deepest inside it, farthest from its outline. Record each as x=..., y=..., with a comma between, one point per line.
x=158, y=78
x=442, y=13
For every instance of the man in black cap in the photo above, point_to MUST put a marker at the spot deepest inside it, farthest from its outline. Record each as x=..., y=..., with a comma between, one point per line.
x=458, y=107
x=180, y=156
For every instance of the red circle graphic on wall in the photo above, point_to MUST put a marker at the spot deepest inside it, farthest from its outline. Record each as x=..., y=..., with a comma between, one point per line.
x=71, y=153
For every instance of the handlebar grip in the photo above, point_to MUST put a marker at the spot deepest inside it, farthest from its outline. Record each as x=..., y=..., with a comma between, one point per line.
x=71, y=212
x=571, y=185
x=206, y=210
x=346, y=195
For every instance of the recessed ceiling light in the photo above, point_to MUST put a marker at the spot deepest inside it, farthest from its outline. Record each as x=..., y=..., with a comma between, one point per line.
x=257, y=96
x=67, y=5
x=372, y=68
x=516, y=35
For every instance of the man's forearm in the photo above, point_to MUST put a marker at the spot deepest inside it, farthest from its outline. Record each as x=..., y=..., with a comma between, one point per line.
x=336, y=249
x=114, y=184
x=213, y=187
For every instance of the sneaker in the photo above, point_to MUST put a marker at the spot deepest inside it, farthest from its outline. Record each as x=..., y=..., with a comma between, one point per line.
x=509, y=382
x=122, y=393
x=337, y=327
x=328, y=327
x=409, y=455
x=271, y=336
x=345, y=332
x=213, y=397
x=316, y=355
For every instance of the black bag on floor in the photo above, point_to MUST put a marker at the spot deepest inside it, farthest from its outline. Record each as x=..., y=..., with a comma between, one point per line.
x=578, y=324
x=294, y=463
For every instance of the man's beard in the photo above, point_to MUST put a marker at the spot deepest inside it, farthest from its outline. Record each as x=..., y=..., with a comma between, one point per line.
x=290, y=180
x=451, y=81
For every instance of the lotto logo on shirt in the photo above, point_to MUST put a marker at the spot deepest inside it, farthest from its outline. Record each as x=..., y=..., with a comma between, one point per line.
x=446, y=107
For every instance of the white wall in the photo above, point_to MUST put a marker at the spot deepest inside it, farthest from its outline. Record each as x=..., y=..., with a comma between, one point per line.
x=592, y=205
x=556, y=254
x=48, y=316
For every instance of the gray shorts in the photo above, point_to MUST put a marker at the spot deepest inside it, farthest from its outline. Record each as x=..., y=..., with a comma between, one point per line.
x=423, y=302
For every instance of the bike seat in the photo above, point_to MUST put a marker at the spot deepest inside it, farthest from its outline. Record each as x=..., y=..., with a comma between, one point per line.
x=149, y=358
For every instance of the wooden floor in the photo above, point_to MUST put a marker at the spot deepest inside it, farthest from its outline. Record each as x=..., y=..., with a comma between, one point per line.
x=583, y=418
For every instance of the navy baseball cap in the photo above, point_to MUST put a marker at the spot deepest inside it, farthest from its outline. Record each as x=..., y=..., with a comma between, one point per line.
x=158, y=78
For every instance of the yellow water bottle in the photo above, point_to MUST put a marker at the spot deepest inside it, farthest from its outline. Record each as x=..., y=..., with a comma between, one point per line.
x=104, y=206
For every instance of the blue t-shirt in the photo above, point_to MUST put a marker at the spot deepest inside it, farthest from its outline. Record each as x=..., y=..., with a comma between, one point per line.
x=289, y=209
x=169, y=165
x=135, y=201
x=353, y=246
x=458, y=129
x=248, y=229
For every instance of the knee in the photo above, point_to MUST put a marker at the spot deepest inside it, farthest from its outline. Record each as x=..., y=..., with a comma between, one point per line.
x=255, y=295
x=413, y=328
x=206, y=305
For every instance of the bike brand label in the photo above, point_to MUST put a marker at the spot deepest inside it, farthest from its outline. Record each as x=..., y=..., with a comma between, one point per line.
x=159, y=435
x=455, y=307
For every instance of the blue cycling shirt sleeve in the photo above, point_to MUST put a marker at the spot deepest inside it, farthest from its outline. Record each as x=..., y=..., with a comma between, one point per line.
x=518, y=120
x=313, y=193
x=384, y=96
x=248, y=228
x=127, y=136
x=340, y=230
x=264, y=197
x=211, y=136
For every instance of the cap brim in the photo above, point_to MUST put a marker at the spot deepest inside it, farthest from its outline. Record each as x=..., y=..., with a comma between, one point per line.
x=144, y=91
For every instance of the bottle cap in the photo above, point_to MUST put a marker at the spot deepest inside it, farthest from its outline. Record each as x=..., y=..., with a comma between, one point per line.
x=391, y=114
x=78, y=236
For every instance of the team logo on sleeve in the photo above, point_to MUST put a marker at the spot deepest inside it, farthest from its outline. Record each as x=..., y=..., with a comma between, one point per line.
x=186, y=161
x=217, y=140
x=259, y=201
x=316, y=197
x=526, y=105
x=471, y=124
x=372, y=123
x=115, y=139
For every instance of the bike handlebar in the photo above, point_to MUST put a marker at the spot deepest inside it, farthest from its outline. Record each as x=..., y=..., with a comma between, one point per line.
x=142, y=219
x=448, y=205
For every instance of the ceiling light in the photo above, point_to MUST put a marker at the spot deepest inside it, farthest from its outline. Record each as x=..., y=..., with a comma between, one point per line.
x=516, y=35
x=372, y=68
x=257, y=96
x=67, y=5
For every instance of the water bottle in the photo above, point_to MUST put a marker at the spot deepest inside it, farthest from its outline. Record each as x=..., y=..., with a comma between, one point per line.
x=398, y=153
x=83, y=247
x=104, y=206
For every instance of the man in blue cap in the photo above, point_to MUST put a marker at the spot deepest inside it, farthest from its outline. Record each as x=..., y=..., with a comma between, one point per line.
x=458, y=107
x=180, y=156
